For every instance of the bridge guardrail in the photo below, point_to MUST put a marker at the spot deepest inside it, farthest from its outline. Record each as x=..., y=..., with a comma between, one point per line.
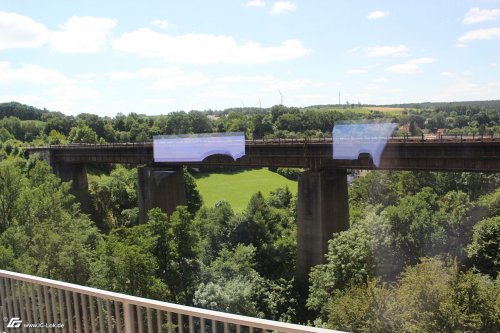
x=30, y=299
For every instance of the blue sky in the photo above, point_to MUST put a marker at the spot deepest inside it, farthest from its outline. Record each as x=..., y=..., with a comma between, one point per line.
x=155, y=57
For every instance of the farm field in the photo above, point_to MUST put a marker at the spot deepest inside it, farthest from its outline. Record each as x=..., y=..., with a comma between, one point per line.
x=384, y=109
x=237, y=187
x=390, y=111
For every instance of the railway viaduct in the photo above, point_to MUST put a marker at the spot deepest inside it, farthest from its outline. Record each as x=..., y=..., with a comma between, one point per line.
x=322, y=189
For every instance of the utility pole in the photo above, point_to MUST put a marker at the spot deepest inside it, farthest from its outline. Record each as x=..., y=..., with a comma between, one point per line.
x=281, y=96
x=339, y=97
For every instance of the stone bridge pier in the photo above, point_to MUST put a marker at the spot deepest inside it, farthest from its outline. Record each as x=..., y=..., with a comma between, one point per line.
x=74, y=172
x=160, y=187
x=77, y=174
x=322, y=210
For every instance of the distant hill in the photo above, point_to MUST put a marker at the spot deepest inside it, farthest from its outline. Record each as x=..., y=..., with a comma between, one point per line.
x=21, y=111
x=26, y=112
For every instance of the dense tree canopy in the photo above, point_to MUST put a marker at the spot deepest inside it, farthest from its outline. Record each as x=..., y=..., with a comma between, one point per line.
x=29, y=124
x=421, y=253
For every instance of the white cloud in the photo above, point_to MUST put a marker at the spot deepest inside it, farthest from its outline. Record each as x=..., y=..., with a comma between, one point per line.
x=54, y=90
x=88, y=78
x=244, y=78
x=411, y=66
x=171, y=78
x=219, y=91
x=195, y=48
x=266, y=83
x=357, y=71
x=280, y=7
x=256, y=3
x=290, y=84
x=309, y=97
x=32, y=74
x=394, y=90
x=20, y=31
x=372, y=87
x=377, y=14
x=162, y=78
x=383, y=51
x=463, y=87
x=24, y=99
x=406, y=68
x=120, y=76
x=476, y=15
x=163, y=24
x=480, y=34
x=380, y=80
x=82, y=34
x=158, y=101
x=85, y=34
x=73, y=97
x=423, y=60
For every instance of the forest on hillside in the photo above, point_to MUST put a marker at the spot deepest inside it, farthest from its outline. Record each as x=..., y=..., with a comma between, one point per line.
x=21, y=123
x=422, y=252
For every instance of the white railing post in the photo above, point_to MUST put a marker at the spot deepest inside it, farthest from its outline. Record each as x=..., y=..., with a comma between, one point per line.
x=128, y=317
x=3, y=301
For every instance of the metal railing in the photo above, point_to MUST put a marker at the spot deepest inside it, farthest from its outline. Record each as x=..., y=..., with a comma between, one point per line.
x=33, y=304
x=432, y=138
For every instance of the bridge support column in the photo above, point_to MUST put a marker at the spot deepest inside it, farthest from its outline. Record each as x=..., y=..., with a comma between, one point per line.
x=322, y=210
x=74, y=172
x=160, y=188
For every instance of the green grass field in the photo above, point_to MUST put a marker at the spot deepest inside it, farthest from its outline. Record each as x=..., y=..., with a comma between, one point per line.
x=237, y=187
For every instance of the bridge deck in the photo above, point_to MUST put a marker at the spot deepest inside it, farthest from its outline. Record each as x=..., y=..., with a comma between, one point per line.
x=442, y=154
